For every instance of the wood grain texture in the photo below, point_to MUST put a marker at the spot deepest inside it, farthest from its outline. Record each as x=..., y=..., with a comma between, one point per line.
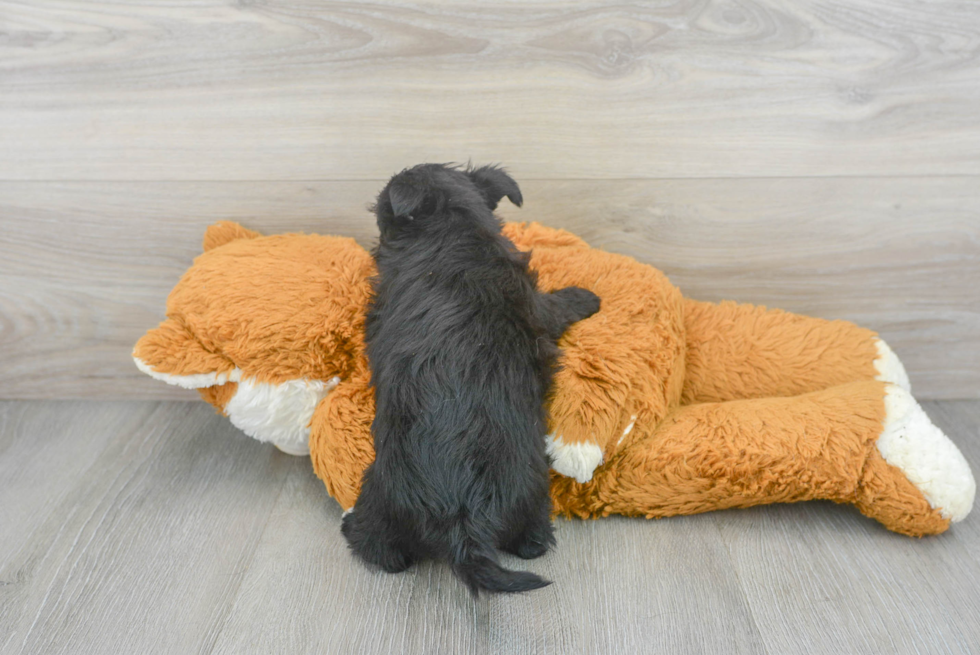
x=40, y=464
x=86, y=267
x=296, y=89
x=821, y=579
x=603, y=600
x=158, y=528
x=961, y=421
x=146, y=552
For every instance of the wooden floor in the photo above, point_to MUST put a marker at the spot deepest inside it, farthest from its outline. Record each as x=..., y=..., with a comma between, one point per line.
x=157, y=527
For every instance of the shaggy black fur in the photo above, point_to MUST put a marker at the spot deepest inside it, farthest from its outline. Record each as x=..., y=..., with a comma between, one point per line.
x=462, y=348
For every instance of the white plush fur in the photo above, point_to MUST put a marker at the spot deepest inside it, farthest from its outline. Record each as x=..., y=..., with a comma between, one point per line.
x=579, y=460
x=279, y=413
x=576, y=460
x=889, y=367
x=928, y=458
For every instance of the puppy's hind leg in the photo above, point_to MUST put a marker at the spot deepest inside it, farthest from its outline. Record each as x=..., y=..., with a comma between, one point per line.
x=559, y=309
x=371, y=539
x=536, y=535
x=370, y=533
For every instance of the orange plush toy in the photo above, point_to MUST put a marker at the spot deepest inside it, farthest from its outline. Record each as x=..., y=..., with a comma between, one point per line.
x=663, y=406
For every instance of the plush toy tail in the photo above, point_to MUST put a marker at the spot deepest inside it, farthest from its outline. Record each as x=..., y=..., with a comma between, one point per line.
x=477, y=567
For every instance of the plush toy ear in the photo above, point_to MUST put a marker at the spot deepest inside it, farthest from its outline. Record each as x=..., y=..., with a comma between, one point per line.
x=406, y=198
x=494, y=183
x=224, y=232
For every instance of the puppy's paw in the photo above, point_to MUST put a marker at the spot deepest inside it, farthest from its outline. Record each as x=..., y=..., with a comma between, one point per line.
x=529, y=549
x=395, y=561
x=533, y=543
x=375, y=548
x=580, y=303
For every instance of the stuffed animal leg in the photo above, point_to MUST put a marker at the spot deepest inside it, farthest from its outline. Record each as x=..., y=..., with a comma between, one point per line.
x=341, y=444
x=737, y=351
x=741, y=351
x=822, y=445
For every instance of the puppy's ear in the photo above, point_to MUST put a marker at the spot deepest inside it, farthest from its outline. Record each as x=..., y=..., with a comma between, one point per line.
x=406, y=199
x=494, y=184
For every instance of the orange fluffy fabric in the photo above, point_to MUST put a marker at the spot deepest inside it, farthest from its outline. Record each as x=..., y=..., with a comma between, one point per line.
x=663, y=405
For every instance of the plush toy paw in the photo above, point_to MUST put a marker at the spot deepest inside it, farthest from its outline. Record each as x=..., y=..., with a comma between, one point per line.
x=930, y=461
x=889, y=367
x=579, y=460
x=573, y=460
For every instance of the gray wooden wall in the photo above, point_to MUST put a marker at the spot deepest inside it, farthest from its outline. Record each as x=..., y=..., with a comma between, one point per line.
x=822, y=156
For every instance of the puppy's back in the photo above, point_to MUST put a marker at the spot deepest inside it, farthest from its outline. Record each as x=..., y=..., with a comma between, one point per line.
x=460, y=369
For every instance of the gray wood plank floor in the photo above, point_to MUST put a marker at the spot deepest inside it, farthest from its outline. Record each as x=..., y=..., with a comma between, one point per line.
x=156, y=527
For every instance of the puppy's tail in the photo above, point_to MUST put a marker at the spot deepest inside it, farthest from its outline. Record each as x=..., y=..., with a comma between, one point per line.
x=477, y=567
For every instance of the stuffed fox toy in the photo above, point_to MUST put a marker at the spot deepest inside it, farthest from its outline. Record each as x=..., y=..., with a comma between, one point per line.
x=663, y=405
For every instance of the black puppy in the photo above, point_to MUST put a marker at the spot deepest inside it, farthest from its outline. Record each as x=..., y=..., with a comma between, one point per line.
x=462, y=348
